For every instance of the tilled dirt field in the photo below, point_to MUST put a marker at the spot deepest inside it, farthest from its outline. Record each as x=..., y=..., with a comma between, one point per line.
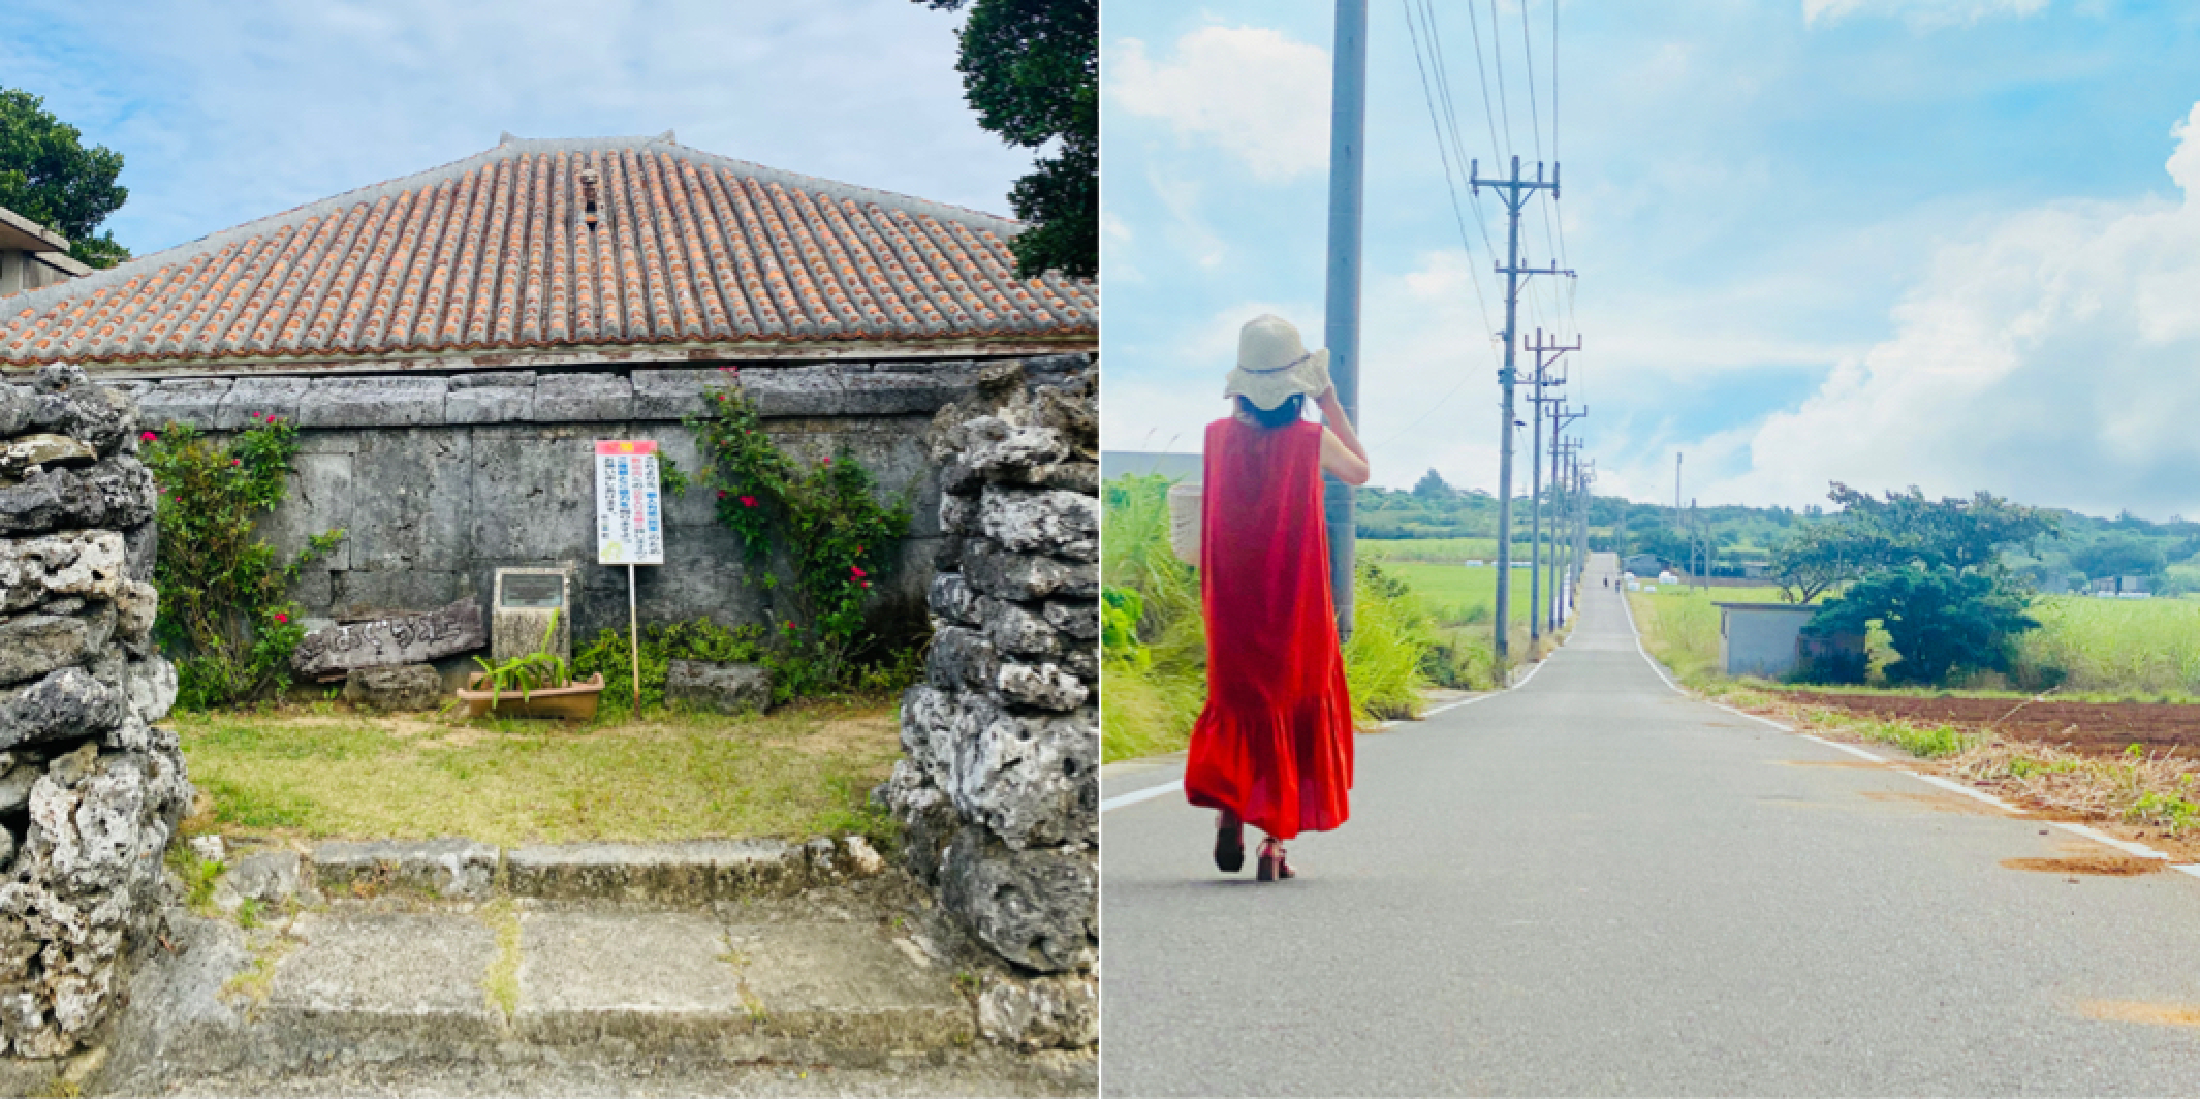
x=2092, y=728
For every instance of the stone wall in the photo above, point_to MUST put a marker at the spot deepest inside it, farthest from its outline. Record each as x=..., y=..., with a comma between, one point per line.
x=90, y=791
x=999, y=787
x=439, y=480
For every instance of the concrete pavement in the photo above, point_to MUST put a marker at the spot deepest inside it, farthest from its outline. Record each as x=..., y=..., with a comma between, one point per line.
x=1593, y=884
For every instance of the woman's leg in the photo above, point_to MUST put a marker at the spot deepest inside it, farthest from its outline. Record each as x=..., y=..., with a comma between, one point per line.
x=1229, y=843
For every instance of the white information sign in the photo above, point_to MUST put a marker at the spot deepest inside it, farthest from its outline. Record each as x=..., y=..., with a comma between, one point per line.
x=630, y=522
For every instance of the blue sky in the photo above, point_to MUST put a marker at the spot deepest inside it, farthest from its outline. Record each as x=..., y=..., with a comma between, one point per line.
x=227, y=111
x=1890, y=242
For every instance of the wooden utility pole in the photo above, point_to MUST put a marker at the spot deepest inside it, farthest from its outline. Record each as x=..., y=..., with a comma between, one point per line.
x=1515, y=192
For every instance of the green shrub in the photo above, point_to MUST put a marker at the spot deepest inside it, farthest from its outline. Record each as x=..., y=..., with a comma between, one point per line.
x=663, y=643
x=827, y=520
x=226, y=616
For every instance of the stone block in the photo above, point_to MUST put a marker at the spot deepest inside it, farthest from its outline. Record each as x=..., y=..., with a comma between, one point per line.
x=250, y=400
x=33, y=645
x=457, y=869
x=726, y=688
x=793, y=391
x=493, y=397
x=1051, y=521
x=395, y=687
x=419, y=505
x=410, y=641
x=672, y=394
x=533, y=497
x=116, y=494
x=1037, y=908
x=193, y=401
x=1003, y=574
x=952, y=598
x=1040, y=1013
x=1018, y=630
x=1079, y=619
x=1047, y=686
x=961, y=659
x=1032, y=780
x=583, y=397
x=399, y=402
x=361, y=595
x=695, y=872
x=902, y=393
x=267, y=877
x=319, y=499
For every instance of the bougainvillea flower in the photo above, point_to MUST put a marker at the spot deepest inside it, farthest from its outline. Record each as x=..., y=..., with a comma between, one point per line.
x=281, y=618
x=866, y=584
x=721, y=494
x=748, y=502
x=148, y=437
x=858, y=571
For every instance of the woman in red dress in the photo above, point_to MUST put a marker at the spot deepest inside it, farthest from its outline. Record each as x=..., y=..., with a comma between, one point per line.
x=1273, y=748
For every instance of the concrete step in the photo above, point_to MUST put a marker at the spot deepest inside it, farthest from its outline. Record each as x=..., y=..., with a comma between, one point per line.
x=693, y=873
x=525, y=983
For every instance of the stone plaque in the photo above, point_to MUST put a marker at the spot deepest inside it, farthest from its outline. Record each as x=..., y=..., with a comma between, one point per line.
x=409, y=640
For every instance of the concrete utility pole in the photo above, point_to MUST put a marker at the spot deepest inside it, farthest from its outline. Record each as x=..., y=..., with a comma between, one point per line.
x=1546, y=357
x=1564, y=454
x=1516, y=192
x=1341, y=322
x=1560, y=417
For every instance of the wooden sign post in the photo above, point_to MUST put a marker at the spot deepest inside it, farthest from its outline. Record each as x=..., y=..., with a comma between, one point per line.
x=629, y=524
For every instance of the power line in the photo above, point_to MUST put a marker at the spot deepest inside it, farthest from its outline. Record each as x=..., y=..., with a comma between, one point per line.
x=1496, y=55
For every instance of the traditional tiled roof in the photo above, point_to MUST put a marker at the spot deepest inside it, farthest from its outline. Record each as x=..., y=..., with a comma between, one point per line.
x=497, y=251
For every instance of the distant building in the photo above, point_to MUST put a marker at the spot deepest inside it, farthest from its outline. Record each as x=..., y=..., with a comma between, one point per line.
x=1759, y=639
x=1643, y=565
x=32, y=256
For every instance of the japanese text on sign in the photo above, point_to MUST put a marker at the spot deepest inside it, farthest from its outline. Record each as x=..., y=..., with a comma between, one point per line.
x=629, y=510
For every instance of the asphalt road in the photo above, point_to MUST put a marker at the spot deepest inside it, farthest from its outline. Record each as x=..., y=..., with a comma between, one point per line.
x=1593, y=885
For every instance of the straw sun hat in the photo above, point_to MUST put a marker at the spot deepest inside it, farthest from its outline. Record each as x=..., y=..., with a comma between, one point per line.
x=1272, y=364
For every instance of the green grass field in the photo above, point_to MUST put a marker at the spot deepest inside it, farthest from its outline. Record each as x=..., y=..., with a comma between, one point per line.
x=1435, y=551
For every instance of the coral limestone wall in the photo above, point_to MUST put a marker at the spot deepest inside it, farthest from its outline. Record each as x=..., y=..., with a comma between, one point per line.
x=999, y=787
x=90, y=790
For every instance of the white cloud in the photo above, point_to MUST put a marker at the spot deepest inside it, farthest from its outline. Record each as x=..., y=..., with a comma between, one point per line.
x=1922, y=13
x=1250, y=91
x=2051, y=358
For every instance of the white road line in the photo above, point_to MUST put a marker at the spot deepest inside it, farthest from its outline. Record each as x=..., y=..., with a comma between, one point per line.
x=1755, y=717
x=1647, y=658
x=1136, y=797
x=1850, y=749
x=1969, y=792
x=2093, y=834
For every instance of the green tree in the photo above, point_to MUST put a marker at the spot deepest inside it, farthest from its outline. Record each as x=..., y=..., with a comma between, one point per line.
x=1031, y=71
x=47, y=175
x=2120, y=555
x=1432, y=486
x=1898, y=529
x=1937, y=617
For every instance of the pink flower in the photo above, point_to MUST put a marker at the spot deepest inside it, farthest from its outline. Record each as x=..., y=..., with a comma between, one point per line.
x=866, y=584
x=748, y=502
x=721, y=494
x=281, y=618
x=236, y=462
x=827, y=462
x=148, y=437
x=858, y=571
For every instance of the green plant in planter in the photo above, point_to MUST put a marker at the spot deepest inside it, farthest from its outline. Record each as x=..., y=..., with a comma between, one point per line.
x=529, y=672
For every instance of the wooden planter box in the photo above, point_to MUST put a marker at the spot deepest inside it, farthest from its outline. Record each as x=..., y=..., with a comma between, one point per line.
x=575, y=701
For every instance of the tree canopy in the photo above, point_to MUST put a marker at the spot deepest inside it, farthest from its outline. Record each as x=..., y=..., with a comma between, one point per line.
x=47, y=175
x=1936, y=617
x=1432, y=485
x=1900, y=529
x=1030, y=69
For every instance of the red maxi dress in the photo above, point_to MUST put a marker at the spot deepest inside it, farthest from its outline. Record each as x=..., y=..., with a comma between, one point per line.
x=1274, y=744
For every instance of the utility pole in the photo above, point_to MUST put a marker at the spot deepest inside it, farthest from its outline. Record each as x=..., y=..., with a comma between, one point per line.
x=1568, y=453
x=1546, y=357
x=1341, y=332
x=1560, y=417
x=1516, y=192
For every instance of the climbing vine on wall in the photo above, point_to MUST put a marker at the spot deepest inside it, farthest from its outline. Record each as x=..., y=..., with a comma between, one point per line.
x=838, y=538
x=226, y=615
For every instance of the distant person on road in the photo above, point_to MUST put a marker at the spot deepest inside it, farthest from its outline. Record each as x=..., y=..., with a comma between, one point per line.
x=1273, y=748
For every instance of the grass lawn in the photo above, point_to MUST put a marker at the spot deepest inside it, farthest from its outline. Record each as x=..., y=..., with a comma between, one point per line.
x=1445, y=551
x=320, y=770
